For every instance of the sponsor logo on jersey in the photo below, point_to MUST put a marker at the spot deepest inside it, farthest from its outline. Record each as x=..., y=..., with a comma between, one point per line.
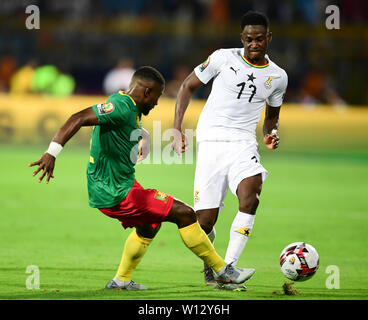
x=205, y=64
x=161, y=196
x=268, y=82
x=196, y=197
x=104, y=108
x=244, y=231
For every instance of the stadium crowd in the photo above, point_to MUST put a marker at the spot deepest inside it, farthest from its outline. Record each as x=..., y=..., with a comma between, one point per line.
x=82, y=41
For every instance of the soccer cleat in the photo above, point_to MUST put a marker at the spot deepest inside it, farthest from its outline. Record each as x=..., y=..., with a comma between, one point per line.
x=233, y=274
x=129, y=285
x=230, y=286
x=209, y=279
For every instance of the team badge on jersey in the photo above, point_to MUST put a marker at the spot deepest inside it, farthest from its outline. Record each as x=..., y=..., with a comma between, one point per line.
x=268, y=82
x=161, y=196
x=196, y=197
x=104, y=108
x=205, y=64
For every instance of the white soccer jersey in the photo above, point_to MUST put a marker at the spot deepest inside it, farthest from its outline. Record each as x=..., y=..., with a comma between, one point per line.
x=239, y=92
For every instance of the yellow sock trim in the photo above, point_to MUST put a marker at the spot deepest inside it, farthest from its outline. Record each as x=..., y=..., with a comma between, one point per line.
x=134, y=249
x=197, y=241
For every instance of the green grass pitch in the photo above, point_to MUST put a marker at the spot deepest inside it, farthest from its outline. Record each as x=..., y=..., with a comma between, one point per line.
x=316, y=197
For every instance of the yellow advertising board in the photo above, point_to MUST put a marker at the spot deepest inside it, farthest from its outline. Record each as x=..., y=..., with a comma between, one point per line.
x=35, y=119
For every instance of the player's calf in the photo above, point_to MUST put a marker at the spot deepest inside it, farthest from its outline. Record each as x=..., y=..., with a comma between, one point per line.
x=249, y=203
x=248, y=192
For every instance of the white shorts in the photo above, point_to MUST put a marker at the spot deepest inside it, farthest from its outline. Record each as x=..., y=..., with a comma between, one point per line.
x=223, y=165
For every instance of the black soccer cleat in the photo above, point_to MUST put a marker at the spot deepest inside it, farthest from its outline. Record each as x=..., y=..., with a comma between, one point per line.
x=209, y=279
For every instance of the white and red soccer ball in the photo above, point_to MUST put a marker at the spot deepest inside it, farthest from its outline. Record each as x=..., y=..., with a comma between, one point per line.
x=299, y=261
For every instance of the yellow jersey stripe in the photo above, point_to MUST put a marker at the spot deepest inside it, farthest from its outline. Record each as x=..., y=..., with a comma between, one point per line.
x=124, y=94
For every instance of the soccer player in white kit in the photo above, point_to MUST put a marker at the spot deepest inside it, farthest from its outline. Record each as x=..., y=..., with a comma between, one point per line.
x=244, y=81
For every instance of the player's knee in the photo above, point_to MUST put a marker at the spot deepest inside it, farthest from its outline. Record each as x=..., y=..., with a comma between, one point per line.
x=186, y=215
x=147, y=231
x=189, y=213
x=181, y=214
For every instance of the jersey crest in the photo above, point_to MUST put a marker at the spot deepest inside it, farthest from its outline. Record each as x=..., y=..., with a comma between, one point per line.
x=196, y=196
x=161, y=196
x=104, y=108
x=268, y=83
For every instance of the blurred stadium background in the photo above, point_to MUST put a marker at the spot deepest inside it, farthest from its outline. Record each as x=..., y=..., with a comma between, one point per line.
x=89, y=48
x=86, y=49
x=87, y=38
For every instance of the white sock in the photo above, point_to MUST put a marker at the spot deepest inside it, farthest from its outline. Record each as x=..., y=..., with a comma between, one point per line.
x=239, y=233
x=212, y=235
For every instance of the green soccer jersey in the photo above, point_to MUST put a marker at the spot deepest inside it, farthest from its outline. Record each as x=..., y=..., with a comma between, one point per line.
x=114, y=150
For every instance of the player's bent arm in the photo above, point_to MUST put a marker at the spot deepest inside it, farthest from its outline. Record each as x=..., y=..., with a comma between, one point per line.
x=270, y=127
x=83, y=118
x=187, y=88
x=46, y=163
x=189, y=85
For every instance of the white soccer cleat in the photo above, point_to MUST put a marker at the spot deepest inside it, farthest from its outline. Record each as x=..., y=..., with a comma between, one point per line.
x=232, y=274
x=128, y=285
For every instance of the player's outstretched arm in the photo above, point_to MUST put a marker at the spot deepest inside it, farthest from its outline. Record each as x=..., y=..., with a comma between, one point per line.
x=187, y=88
x=46, y=163
x=270, y=127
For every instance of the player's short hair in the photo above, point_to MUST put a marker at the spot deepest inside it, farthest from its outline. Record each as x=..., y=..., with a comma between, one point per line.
x=252, y=18
x=149, y=73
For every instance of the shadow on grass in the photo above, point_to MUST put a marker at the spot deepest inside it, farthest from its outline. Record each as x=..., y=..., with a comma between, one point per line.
x=161, y=293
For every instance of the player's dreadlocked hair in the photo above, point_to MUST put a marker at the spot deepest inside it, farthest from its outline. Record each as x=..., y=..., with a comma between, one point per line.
x=149, y=73
x=254, y=18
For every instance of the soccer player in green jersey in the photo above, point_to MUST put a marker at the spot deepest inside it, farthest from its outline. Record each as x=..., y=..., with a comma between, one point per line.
x=116, y=145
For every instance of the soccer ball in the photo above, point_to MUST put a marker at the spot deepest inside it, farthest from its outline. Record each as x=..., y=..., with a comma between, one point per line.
x=299, y=261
